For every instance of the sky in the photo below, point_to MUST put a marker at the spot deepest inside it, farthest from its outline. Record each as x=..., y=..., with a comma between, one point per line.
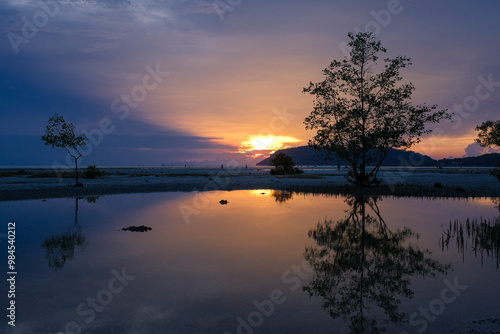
x=206, y=82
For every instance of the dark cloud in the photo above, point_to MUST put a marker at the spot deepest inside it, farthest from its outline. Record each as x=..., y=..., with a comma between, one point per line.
x=126, y=150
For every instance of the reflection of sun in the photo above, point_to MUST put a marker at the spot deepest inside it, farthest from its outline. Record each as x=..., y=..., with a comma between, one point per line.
x=265, y=143
x=261, y=192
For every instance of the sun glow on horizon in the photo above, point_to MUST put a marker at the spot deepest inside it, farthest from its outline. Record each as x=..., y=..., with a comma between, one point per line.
x=266, y=143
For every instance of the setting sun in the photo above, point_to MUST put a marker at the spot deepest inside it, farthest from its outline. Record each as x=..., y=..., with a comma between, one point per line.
x=266, y=143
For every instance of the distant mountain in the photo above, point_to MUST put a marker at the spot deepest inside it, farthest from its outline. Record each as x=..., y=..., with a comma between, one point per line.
x=485, y=160
x=306, y=155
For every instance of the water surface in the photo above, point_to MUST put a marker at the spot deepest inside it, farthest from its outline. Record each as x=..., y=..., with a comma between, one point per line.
x=265, y=262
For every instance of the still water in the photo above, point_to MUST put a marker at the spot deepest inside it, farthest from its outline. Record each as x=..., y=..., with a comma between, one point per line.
x=265, y=262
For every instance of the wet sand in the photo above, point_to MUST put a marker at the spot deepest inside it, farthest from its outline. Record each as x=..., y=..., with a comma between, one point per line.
x=36, y=183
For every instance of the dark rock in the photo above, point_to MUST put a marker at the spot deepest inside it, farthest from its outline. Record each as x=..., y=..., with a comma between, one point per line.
x=141, y=228
x=223, y=202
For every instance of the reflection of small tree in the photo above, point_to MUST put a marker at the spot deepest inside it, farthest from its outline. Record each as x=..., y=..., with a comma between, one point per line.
x=61, y=248
x=359, y=263
x=482, y=235
x=281, y=196
x=283, y=164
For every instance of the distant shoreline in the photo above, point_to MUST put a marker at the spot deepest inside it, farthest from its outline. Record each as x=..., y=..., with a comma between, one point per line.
x=38, y=183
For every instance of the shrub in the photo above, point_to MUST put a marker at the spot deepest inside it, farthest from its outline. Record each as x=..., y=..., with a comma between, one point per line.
x=284, y=164
x=91, y=172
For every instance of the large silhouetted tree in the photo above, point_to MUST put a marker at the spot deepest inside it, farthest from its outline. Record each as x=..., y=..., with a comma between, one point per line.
x=361, y=114
x=58, y=133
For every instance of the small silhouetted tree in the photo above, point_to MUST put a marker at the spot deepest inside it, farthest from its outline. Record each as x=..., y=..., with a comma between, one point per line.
x=360, y=115
x=283, y=164
x=58, y=133
x=489, y=136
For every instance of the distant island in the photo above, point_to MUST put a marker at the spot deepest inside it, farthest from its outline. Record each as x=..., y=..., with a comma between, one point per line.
x=308, y=156
x=485, y=160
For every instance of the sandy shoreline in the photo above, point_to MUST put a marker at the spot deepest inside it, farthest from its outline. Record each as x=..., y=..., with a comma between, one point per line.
x=30, y=183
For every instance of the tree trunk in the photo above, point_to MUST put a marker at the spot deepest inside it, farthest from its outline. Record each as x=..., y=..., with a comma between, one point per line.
x=363, y=126
x=76, y=212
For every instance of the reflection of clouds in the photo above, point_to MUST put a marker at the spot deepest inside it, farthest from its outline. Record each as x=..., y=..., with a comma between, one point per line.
x=144, y=320
x=148, y=319
x=148, y=316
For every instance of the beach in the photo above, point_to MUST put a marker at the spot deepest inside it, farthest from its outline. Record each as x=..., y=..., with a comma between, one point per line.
x=43, y=183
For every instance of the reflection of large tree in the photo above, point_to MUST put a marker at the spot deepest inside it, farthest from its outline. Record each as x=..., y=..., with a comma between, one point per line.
x=360, y=264
x=482, y=236
x=61, y=247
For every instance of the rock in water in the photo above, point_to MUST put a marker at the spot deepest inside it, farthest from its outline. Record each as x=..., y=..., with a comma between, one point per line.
x=141, y=228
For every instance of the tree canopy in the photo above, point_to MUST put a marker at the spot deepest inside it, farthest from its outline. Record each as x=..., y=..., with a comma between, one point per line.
x=489, y=133
x=361, y=114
